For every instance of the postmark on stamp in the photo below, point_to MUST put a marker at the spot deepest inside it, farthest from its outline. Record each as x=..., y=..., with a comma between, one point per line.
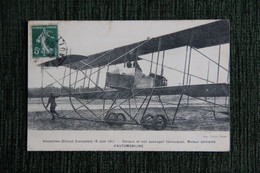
x=45, y=41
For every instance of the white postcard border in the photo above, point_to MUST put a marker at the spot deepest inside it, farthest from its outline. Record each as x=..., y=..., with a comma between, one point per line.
x=214, y=141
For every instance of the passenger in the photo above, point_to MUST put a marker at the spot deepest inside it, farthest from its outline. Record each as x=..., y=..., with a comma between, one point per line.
x=116, y=70
x=129, y=70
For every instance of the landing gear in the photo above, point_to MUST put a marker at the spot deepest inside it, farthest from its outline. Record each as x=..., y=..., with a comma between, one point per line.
x=117, y=119
x=147, y=121
x=158, y=122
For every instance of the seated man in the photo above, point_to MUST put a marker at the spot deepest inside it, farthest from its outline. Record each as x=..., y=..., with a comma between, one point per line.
x=129, y=70
x=115, y=71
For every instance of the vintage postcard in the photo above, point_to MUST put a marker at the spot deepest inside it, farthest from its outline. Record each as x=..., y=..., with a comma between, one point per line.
x=128, y=85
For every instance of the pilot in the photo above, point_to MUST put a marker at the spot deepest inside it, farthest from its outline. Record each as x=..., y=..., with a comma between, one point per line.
x=53, y=104
x=129, y=70
x=129, y=64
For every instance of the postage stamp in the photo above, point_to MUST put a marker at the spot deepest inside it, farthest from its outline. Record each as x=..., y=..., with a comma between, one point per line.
x=45, y=41
x=128, y=85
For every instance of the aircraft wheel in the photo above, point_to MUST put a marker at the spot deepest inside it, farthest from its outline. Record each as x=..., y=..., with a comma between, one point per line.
x=159, y=122
x=147, y=121
x=120, y=117
x=110, y=117
x=115, y=119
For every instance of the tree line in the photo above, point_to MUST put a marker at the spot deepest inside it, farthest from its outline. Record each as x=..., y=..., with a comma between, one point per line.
x=39, y=92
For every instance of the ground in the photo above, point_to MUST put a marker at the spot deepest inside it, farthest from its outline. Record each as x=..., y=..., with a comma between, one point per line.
x=192, y=118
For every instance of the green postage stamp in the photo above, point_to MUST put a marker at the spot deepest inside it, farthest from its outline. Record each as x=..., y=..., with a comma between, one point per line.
x=45, y=41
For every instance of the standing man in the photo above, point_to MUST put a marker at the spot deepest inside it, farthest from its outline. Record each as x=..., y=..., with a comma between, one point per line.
x=53, y=104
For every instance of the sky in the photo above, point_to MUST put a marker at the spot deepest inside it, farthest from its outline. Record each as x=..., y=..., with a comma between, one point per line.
x=90, y=37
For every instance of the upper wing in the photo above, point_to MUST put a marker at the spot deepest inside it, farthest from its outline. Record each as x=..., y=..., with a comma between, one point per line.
x=211, y=34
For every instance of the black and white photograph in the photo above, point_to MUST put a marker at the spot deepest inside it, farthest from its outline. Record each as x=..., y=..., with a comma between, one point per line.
x=129, y=85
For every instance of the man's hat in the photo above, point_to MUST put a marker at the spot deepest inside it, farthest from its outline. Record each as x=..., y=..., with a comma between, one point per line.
x=129, y=64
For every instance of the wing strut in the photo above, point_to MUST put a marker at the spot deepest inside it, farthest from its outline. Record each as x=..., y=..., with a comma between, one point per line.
x=162, y=63
x=89, y=77
x=219, y=52
x=185, y=63
x=84, y=82
x=151, y=64
x=158, y=56
x=188, y=74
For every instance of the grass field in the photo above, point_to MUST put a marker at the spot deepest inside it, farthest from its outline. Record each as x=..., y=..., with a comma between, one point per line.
x=192, y=118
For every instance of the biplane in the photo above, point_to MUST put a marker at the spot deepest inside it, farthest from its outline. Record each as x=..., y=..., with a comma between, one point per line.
x=121, y=88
